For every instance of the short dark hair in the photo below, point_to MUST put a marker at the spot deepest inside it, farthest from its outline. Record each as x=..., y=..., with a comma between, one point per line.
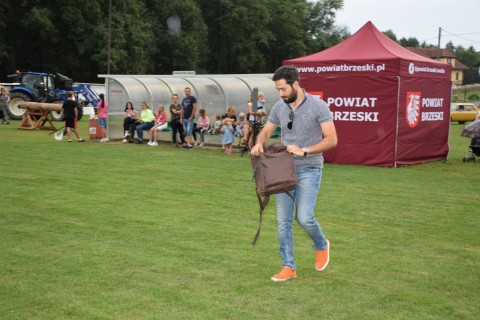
x=287, y=73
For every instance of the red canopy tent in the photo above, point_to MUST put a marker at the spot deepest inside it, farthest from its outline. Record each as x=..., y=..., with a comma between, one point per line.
x=390, y=106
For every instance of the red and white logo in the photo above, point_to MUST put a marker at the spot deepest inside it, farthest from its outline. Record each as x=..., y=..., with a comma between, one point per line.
x=413, y=108
x=318, y=94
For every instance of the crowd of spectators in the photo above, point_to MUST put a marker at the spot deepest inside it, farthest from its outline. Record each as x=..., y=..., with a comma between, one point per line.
x=186, y=129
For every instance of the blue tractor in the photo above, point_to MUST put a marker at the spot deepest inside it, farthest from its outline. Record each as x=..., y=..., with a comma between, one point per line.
x=46, y=88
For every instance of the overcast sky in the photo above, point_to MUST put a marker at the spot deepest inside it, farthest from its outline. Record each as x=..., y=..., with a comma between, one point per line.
x=420, y=19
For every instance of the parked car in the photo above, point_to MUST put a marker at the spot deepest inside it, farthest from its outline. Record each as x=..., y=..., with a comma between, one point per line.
x=463, y=112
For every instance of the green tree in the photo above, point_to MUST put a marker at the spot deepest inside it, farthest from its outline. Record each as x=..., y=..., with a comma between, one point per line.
x=132, y=39
x=30, y=37
x=321, y=32
x=449, y=46
x=183, y=45
x=248, y=35
x=389, y=33
x=47, y=37
x=410, y=42
x=159, y=36
x=81, y=37
x=215, y=14
x=471, y=59
x=239, y=35
x=288, y=26
x=4, y=47
x=70, y=37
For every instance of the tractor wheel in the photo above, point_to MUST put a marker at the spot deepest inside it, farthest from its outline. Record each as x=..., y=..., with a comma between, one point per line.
x=80, y=112
x=14, y=111
x=57, y=115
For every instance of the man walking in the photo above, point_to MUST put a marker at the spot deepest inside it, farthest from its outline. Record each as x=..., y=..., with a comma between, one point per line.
x=307, y=131
x=176, y=112
x=189, y=104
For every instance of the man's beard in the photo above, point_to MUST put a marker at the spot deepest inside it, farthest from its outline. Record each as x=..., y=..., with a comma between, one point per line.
x=291, y=98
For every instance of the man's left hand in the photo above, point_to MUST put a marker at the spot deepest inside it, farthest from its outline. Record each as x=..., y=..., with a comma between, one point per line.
x=293, y=149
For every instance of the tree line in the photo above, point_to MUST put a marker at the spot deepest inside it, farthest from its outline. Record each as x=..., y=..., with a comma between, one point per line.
x=160, y=36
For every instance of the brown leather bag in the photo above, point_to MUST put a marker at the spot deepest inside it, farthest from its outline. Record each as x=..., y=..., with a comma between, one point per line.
x=274, y=172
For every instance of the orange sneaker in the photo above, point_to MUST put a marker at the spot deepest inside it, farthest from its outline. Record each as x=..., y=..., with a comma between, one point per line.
x=285, y=274
x=322, y=257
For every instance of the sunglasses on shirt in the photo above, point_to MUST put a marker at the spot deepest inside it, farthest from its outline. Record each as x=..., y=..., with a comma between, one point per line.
x=290, y=124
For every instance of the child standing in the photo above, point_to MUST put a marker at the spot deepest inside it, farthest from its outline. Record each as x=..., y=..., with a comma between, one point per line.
x=202, y=126
x=4, y=100
x=261, y=107
x=228, y=138
x=102, y=108
x=239, y=129
x=161, y=123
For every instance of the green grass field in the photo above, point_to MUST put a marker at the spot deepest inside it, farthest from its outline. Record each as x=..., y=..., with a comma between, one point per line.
x=114, y=231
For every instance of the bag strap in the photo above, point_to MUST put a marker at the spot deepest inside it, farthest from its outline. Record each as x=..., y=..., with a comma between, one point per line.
x=263, y=203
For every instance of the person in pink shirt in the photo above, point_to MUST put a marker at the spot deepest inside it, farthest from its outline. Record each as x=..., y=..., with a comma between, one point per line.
x=203, y=124
x=161, y=123
x=102, y=108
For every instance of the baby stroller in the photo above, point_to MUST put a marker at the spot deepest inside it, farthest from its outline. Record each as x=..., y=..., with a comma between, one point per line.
x=472, y=130
x=473, y=151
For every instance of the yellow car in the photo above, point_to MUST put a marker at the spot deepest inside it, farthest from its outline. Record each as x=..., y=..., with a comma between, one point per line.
x=463, y=112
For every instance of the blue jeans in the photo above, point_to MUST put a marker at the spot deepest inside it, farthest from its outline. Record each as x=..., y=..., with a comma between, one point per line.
x=188, y=125
x=144, y=126
x=305, y=194
x=102, y=122
x=5, y=114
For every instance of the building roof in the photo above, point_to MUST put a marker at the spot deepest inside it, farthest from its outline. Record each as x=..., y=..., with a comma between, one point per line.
x=442, y=53
x=432, y=52
x=457, y=65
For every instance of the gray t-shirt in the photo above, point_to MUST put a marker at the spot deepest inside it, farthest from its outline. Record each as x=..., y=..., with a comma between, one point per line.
x=306, y=130
x=3, y=101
